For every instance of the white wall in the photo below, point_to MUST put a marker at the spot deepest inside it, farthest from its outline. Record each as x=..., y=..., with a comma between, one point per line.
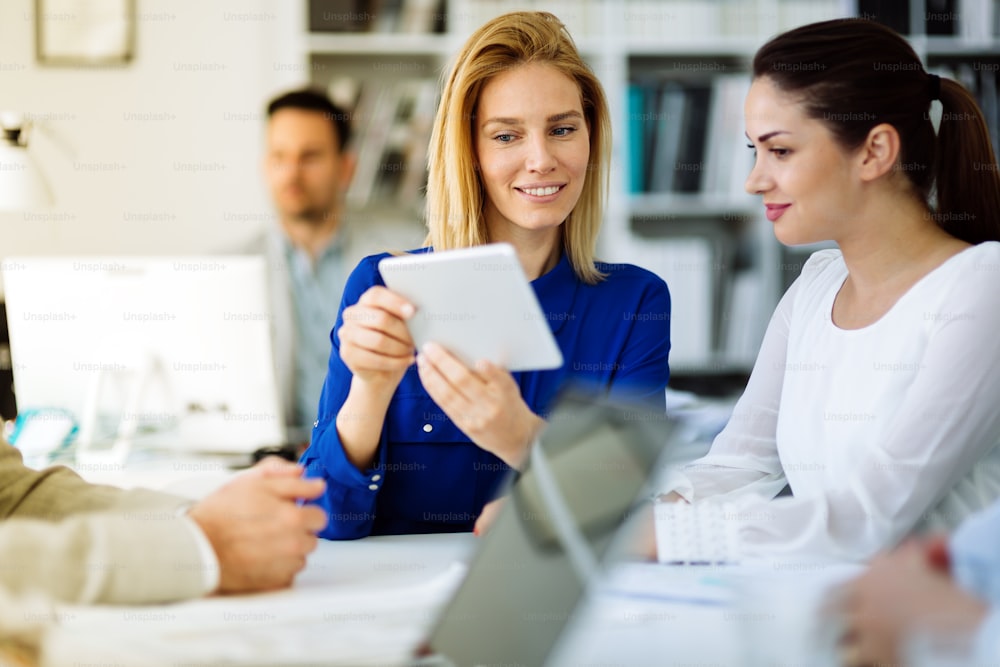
x=167, y=148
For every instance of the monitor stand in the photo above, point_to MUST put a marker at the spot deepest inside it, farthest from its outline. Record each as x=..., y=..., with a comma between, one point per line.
x=86, y=452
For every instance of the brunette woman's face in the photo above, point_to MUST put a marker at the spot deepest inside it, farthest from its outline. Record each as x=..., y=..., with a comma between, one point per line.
x=807, y=180
x=533, y=147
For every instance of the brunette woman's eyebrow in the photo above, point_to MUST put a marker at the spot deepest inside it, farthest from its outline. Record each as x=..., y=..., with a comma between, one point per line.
x=767, y=135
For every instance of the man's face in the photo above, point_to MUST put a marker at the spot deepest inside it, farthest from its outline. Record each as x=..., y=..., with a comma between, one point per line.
x=304, y=167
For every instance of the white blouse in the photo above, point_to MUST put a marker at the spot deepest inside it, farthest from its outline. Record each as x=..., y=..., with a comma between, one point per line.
x=877, y=431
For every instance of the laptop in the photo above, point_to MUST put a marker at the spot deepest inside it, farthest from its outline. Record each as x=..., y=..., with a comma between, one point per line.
x=584, y=480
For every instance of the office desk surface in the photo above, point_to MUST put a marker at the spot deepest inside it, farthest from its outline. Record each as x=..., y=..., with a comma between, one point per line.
x=366, y=602
x=369, y=602
x=751, y=615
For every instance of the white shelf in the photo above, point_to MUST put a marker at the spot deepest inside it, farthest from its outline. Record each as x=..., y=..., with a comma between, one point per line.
x=955, y=46
x=695, y=205
x=379, y=44
x=717, y=47
x=714, y=367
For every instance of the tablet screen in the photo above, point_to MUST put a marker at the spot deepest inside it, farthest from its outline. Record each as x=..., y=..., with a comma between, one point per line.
x=477, y=303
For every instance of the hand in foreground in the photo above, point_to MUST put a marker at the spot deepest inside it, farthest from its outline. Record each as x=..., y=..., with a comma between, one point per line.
x=260, y=535
x=485, y=403
x=488, y=516
x=902, y=592
x=643, y=544
x=374, y=341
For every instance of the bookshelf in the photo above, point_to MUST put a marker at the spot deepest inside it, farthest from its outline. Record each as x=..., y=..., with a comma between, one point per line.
x=672, y=69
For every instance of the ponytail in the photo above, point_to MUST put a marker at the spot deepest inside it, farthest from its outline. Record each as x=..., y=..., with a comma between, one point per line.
x=871, y=75
x=966, y=175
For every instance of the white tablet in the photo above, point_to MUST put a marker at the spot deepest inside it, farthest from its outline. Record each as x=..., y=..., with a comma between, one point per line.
x=477, y=303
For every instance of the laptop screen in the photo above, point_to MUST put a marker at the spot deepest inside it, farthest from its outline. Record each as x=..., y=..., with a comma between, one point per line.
x=522, y=587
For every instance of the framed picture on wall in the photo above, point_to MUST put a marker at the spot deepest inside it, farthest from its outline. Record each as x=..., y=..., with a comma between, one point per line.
x=84, y=32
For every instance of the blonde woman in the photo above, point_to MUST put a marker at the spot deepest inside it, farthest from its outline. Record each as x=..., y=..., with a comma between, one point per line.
x=519, y=154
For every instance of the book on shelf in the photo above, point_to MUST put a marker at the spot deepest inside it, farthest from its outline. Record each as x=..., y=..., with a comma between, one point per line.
x=635, y=128
x=341, y=15
x=690, y=161
x=420, y=16
x=728, y=161
x=414, y=180
x=666, y=136
x=687, y=137
x=970, y=20
x=990, y=104
x=392, y=121
x=372, y=117
x=581, y=17
x=891, y=13
x=741, y=329
x=687, y=21
x=379, y=16
x=941, y=17
x=687, y=264
x=793, y=13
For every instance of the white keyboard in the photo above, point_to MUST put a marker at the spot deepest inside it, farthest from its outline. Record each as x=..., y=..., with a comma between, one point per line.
x=701, y=533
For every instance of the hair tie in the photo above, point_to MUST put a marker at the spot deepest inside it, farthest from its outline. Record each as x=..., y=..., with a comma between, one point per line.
x=934, y=86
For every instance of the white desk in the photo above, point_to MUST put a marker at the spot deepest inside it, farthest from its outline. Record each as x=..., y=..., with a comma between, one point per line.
x=741, y=616
x=369, y=602
x=366, y=602
x=186, y=474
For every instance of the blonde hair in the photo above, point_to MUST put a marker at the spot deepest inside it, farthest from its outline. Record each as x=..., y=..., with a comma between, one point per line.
x=455, y=196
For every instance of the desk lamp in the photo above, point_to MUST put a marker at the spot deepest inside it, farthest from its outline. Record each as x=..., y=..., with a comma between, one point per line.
x=22, y=185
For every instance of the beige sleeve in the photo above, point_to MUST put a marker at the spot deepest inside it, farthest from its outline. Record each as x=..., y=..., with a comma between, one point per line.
x=88, y=543
x=115, y=557
x=58, y=492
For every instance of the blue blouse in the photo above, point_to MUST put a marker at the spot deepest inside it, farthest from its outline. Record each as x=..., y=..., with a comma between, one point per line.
x=428, y=477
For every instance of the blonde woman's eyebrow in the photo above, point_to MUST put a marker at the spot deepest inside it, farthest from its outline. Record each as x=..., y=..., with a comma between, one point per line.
x=555, y=118
x=565, y=115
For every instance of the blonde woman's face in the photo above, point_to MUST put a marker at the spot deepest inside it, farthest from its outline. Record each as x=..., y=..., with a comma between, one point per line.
x=533, y=148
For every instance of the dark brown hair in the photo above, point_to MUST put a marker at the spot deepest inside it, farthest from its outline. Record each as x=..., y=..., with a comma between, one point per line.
x=311, y=99
x=853, y=74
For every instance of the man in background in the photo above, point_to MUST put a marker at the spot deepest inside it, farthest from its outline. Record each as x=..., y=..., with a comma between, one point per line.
x=315, y=245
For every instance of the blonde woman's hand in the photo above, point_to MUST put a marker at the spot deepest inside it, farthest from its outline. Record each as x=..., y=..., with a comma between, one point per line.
x=484, y=402
x=374, y=342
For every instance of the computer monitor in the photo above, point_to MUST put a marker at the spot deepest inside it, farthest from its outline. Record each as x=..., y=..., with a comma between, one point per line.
x=162, y=351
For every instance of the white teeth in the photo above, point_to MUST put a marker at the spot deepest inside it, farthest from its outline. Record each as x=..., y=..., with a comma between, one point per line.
x=541, y=192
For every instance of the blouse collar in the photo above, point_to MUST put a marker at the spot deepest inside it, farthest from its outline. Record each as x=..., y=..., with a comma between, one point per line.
x=556, y=292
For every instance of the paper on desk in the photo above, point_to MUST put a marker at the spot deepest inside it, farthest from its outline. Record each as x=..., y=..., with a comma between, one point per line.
x=296, y=627
x=720, y=584
x=755, y=613
x=653, y=581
